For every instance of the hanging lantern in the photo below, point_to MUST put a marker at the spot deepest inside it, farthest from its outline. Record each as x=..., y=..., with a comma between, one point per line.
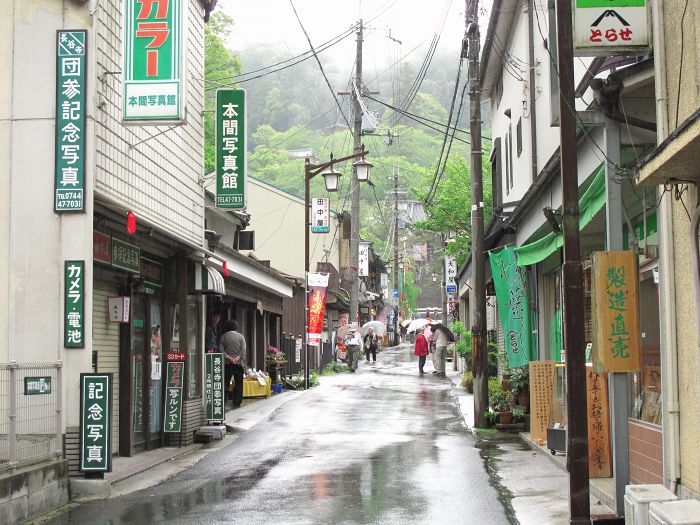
x=130, y=222
x=225, y=269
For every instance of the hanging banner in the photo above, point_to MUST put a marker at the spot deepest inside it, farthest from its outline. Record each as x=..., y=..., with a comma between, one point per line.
x=95, y=422
x=609, y=27
x=510, y=282
x=599, y=462
x=450, y=274
x=320, y=216
x=214, y=385
x=231, y=159
x=615, y=302
x=317, y=284
x=74, y=304
x=175, y=372
x=152, y=69
x=363, y=259
x=70, y=121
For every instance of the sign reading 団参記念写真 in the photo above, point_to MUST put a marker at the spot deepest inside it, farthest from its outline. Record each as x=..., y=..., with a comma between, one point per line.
x=214, y=369
x=152, y=69
x=320, y=215
x=74, y=304
x=70, y=121
x=608, y=27
x=95, y=422
x=231, y=159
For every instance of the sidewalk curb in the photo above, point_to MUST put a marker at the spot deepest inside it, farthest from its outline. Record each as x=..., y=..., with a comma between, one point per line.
x=242, y=420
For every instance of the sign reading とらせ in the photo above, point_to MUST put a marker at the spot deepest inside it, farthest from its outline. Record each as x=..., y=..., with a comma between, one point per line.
x=230, y=143
x=95, y=422
x=153, y=79
x=615, y=312
x=608, y=27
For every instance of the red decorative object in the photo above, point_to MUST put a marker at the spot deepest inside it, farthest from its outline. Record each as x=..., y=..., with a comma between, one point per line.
x=225, y=269
x=130, y=222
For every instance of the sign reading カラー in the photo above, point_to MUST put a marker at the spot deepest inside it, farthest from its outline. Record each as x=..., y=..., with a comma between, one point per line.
x=214, y=367
x=231, y=159
x=610, y=26
x=152, y=68
x=70, y=121
x=74, y=304
x=95, y=422
x=175, y=372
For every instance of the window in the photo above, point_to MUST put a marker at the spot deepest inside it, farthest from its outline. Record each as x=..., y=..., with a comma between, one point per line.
x=519, y=136
x=509, y=158
x=506, y=164
x=496, y=174
x=194, y=353
x=498, y=90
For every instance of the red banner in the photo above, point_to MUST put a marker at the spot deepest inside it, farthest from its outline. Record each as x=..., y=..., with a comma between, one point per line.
x=317, y=284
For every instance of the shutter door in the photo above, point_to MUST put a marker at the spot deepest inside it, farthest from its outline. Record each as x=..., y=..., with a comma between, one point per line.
x=105, y=341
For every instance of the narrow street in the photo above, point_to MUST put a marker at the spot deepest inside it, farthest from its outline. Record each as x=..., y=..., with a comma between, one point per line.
x=380, y=446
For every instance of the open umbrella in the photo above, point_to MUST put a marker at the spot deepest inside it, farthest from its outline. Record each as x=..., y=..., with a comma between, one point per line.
x=378, y=326
x=406, y=322
x=417, y=324
x=343, y=331
x=437, y=327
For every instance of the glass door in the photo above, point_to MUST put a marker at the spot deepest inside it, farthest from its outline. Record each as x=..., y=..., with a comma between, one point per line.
x=138, y=339
x=155, y=389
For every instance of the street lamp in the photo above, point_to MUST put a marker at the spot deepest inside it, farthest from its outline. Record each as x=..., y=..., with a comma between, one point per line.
x=434, y=277
x=363, y=168
x=331, y=178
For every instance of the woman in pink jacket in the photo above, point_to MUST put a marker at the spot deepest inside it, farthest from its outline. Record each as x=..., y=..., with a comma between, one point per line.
x=421, y=351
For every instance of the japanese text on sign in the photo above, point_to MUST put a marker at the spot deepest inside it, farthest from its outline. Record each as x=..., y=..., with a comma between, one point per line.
x=214, y=386
x=95, y=422
x=70, y=121
x=599, y=464
x=450, y=274
x=363, y=259
x=230, y=148
x=609, y=25
x=320, y=216
x=173, y=396
x=74, y=304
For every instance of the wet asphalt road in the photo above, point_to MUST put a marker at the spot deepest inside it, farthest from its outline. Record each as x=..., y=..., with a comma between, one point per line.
x=382, y=445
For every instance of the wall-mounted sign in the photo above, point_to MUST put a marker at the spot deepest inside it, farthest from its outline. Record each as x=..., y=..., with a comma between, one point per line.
x=175, y=374
x=297, y=351
x=70, y=121
x=152, y=69
x=152, y=272
x=102, y=247
x=450, y=274
x=384, y=284
x=126, y=256
x=34, y=386
x=320, y=216
x=74, y=304
x=231, y=159
x=608, y=27
x=119, y=309
x=95, y=422
x=175, y=356
x=363, y=259
x=214, y=369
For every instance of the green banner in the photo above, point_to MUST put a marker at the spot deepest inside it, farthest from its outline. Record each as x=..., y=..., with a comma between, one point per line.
x=70, y=121
x=74, y=304
x=214, y=367
x=510, y=282
x=126, y=256
x=95, y=422
x=230, y=148
x=175, y=373
x=610, y=4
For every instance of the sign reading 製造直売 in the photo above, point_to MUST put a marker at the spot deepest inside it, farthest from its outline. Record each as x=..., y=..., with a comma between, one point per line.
x=153, y=79
x=175, y=372
x=214, y=369
x=610, y=26
x=231, y=158
x=320, y=216
x=74, y=304
x=70, y=121
x=95, y=422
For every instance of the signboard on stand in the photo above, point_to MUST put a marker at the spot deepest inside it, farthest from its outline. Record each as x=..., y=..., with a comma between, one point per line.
x=175, y=373
x=231, y=160
x=214, y=386
x=95, y=423
x=541, y=392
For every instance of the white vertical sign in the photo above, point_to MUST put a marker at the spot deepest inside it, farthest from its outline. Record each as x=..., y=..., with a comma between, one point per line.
x=320, y=216
x=363, y=259
x=450, y=274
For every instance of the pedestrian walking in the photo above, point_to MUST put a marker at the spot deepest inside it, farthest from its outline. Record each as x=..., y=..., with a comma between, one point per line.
x=232, y=344
x=211, y=334
x=370, y=342
x=421, y=350
x=428, y=334
x=440, y=341
x=353, y=342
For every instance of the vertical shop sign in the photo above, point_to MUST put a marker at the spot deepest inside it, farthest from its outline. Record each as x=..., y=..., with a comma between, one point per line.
x=610, y=26
x=541, y=393
x=74, y=304
x=384, y=285
x=153, y=40
x=320, y=215
x=599, y=464
x=231, y=159
x=95, y=422
x=214, y=367
x=175, y=372
x=363, y=258
x=510, y=282
x=317, y=284
x=615, y=312
x=70, y=121
x=450, y=274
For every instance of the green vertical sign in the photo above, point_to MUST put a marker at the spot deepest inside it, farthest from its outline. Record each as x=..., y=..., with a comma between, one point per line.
x=95, y=422
x=231, y=167
x=74, y=304
x=70, y=121
x=214, y=368
x=153, y=60
x=174, y=375
x=510, y=282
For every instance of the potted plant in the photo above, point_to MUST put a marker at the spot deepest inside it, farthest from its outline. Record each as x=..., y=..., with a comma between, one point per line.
x=491, y=417
x=500, y=401
x=468, y=382
x=518, y=415
x=520, y=384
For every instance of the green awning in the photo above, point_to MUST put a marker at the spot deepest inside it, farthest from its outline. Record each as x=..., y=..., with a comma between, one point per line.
x=590, y=203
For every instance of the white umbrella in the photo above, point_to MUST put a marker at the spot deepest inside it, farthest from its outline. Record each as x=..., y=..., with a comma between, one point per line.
x=406, y=322
x=417, y=324
x=342, y=332
x=378, y=326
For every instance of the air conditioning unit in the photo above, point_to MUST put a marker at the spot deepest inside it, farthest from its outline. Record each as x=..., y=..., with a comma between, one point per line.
x=638, y=498
x=681, y=512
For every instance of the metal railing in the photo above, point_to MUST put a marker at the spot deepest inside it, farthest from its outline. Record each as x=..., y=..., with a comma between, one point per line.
x=30, y=413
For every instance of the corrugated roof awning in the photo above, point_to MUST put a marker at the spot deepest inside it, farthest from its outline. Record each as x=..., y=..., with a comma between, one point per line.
x=208, y=280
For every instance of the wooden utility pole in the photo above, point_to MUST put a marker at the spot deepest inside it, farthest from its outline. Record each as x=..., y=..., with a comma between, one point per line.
x=478, y=275
x=355, y=189
x=574, y=335
x=397, y=331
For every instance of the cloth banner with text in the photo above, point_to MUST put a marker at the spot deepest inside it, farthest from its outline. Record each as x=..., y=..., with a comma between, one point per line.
x=316, y=286
x=510, y=282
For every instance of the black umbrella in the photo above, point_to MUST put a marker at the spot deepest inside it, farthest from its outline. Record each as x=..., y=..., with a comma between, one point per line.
x=442, y=328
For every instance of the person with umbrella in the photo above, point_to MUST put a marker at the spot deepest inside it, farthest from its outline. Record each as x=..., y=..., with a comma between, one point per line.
x=441, y=336
x=370, y=343
x=421, y=350
x=353, y=342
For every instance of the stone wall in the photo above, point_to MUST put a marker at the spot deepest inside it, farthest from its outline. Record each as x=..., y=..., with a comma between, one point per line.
x=33, y=491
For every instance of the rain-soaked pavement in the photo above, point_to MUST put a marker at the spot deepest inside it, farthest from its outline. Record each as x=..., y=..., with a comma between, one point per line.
x=383, y=445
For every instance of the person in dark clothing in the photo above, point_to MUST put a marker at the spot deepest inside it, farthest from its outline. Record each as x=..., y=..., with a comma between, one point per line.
x=370, y=344
x=211, y=335
x=232, y=344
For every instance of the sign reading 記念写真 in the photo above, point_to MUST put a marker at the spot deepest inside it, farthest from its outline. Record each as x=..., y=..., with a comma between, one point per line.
x=214, y=364
x=230, y=148
x=95, y=422
x=74, y=304
x=175, y=372
x=70, y=121
x=153, y=60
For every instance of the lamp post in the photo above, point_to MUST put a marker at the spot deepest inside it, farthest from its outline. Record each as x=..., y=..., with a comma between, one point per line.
x=331, y=178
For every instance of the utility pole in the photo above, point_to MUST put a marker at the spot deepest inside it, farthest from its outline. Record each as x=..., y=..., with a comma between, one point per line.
x=355, y=202
x=478, y=292
x=572, y=270
x=397, y=331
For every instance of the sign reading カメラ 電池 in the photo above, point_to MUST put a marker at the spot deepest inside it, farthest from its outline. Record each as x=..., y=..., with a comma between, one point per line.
x=74, y=304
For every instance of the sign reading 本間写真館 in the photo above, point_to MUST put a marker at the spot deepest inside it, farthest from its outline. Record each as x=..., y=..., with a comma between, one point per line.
x=95, y=422
x=231, y=161
x=608, y=27
x=214, y=386
x=175, y=372
x=74, y=304
x=70, y=121
x=152, y=68
x=320, y=215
